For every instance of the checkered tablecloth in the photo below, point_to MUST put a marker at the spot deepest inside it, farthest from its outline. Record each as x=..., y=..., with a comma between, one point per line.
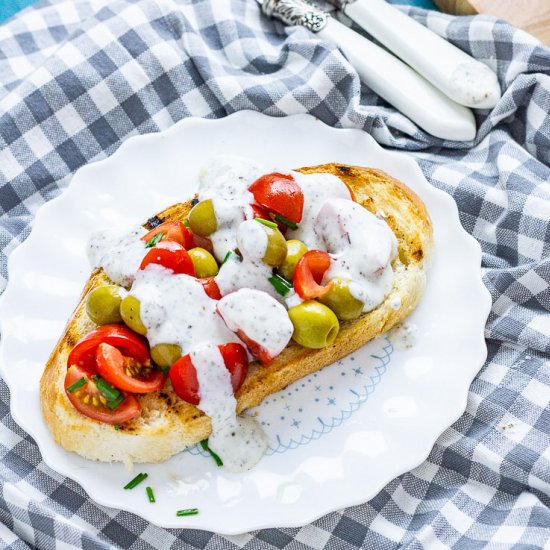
x=77, y=77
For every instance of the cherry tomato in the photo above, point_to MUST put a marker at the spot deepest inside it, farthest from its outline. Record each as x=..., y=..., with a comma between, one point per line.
x=279, y=193
x=125, y=373
x=184, y=376
x=128, y=342
x=170, y=255
x=308, y=274
x=89, y=401
x=172, y=231
x=259, y=212
x=257, y=350
x=211, y=288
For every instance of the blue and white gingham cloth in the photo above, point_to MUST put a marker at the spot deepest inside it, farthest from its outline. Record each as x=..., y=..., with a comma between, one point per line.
x=77, y=77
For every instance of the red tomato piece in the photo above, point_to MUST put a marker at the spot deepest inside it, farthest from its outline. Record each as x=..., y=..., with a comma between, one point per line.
x=127, y=341
x=279, y=193
x=258, y=351
x=308, y=274
x=259, y=212
x=126, y=373
x=170, y=255
x=184, y=376
x=89, y=401
x=172, y=231
x=211, y=288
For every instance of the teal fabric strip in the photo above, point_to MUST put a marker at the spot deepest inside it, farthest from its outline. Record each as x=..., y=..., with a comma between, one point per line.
x=11, y=7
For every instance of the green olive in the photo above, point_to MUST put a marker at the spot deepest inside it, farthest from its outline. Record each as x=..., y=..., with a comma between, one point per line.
x=129, y=311
x=275, y=253
x=204, y=263
x=315, y=325
x=165, y=355
x=295, y=250
x=103, y=304
x=340, y=299
x=202, y=218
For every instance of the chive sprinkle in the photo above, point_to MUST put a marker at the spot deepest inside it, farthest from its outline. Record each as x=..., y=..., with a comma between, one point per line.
x=110, y=392
x=165, y=369
x=231, y=253
x=154, y=240
x=186, y=223
x=188, y=512
x=150, y=494
x=285, y=221
x=136, y=481
x=118, y=401
x=78, y=384
x=266, y=222
x=280, y=284
x=217, y=459
x=116, y=427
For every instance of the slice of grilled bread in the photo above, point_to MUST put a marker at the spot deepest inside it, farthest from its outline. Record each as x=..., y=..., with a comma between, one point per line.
x=167, y=424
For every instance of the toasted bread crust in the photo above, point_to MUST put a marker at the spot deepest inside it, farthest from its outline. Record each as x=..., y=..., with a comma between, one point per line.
x=167, y=424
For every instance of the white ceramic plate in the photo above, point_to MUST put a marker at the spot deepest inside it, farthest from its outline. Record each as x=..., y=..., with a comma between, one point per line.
x=338, y=436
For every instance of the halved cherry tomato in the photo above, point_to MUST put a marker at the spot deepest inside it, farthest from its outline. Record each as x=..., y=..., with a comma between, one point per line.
x=125, y=373
x=257, y=350
x=170, y=255
x=172, y=231
x=184, y=376
x=127, y=341
x=211, y=288
x=259, y=212
x=308, y=274
x=202, y=242
x=89, y=401
x=279, y=193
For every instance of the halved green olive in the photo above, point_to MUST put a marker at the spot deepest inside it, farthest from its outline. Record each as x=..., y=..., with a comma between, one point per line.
x=275, y=252
x=204, y=263
x=295, y=250
x=103, y=304
x=202, y=218
x=129, y=311
x=165, y=355
x=315, y=325
x=340, y=299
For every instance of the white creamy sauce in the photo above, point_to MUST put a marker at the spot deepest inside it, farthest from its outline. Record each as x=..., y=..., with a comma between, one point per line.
x=240, y=442
x=251, y=272
x=361, y=246
x=292, y=299
x=119, y=254
x=317, y=189
x=259, y=316
x=226, y=183
x=175, y=309
x=403, y=335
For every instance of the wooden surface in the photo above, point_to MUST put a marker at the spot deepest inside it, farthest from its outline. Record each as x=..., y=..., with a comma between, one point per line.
x=532, y=16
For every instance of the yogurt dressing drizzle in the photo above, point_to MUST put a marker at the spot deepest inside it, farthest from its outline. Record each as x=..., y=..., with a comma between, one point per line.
x=361, y=246
x=239, y=441
x=119, y=254
x=259, y=316
x=226, y=183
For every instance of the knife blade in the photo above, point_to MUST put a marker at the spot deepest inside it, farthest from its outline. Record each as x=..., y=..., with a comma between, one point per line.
x=458, y=75
x=386, y=75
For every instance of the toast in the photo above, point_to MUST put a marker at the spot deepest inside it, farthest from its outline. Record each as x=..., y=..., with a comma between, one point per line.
x=167, y=424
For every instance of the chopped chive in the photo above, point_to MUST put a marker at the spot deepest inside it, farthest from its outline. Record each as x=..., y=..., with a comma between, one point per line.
x=217, y=459
x=285, y=221
x=155, y=240
x=118, y=401
x=77, y=384
x=188, y=512
x=165, y=369
x=280, y=284
x=231, y=253
x=186, y=223
x=266, y=222
x=136, y=481
x=116, y=427
x=110, y=392
x=150, y=494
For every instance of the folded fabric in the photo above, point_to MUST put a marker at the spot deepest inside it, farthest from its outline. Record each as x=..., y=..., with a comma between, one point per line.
x=78, y=78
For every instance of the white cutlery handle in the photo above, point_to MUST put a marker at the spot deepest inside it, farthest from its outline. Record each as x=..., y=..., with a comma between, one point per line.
x=401, y=86
x=458, y=75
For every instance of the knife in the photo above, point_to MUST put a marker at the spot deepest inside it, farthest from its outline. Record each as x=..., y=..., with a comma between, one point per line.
x=461, y=77
x=386, y=75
